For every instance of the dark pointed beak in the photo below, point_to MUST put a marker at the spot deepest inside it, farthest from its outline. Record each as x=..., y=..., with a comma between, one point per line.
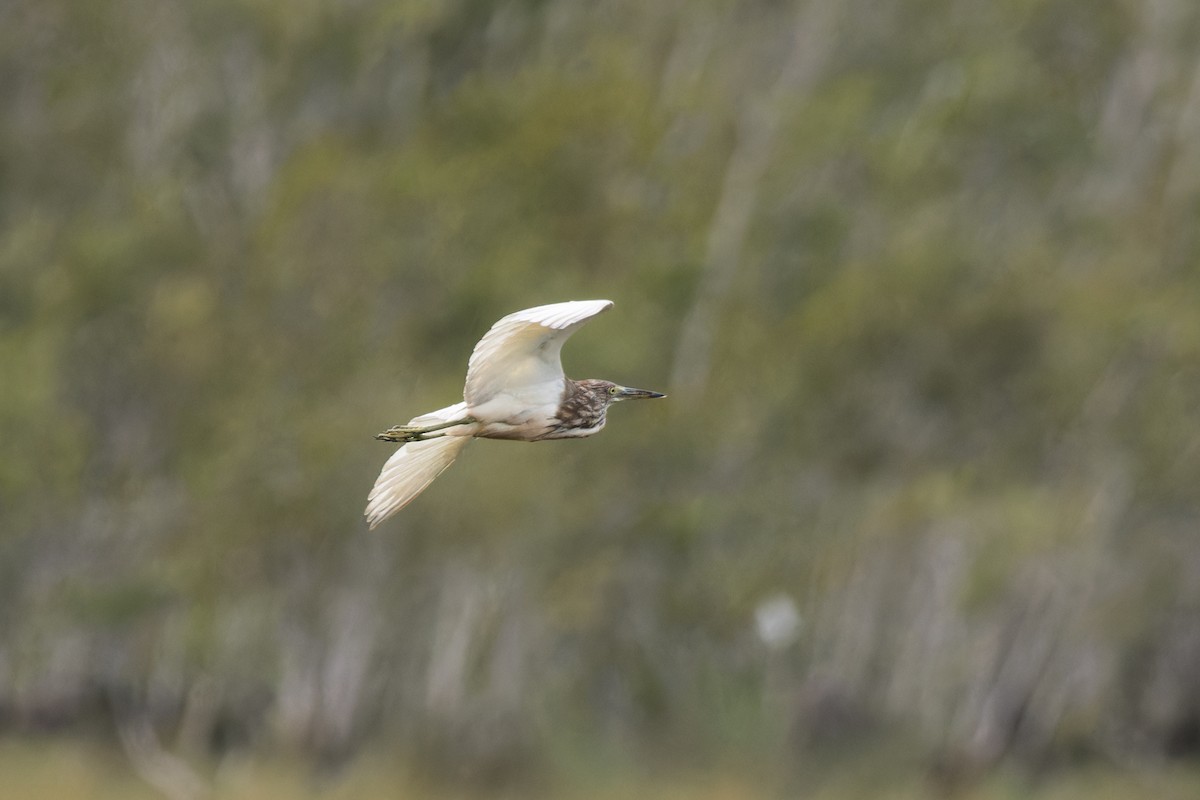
x=625, y=393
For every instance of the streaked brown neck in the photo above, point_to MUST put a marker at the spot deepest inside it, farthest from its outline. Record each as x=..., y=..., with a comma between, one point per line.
x=583, y=405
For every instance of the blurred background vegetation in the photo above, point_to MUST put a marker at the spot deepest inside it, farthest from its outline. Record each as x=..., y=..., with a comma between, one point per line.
x=922, y=278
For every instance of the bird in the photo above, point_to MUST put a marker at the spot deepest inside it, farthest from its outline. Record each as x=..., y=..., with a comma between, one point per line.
x=515, y=389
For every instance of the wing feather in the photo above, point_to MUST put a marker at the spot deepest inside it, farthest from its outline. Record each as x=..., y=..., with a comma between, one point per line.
x=414, y=466
x=522, y=352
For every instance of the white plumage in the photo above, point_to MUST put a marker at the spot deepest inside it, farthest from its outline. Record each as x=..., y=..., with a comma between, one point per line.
x=515, y=385
x=414, y=466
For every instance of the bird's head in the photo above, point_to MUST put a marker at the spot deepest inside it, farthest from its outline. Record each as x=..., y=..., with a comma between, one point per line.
x=607, y=392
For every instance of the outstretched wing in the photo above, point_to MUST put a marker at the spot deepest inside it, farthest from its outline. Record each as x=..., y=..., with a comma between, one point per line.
x=520, y=355
x=414, y=466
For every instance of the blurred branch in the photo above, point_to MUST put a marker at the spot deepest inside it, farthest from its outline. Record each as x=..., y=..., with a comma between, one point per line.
x=164, y=771
x=757, y=130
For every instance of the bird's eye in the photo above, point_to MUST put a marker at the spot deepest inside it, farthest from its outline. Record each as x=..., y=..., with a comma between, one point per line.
x=612, y=389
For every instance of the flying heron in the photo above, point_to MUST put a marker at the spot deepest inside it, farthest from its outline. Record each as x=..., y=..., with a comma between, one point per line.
x=515, y=389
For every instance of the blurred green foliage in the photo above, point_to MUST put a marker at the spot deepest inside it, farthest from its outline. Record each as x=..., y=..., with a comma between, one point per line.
x=949, y=405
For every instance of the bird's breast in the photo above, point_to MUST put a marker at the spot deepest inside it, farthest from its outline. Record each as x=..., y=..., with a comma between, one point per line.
x=527, y=414
x=563, y=431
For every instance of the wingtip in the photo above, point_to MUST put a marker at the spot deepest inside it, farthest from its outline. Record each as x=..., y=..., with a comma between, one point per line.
x=559, y=315
x=597, y=306
x=370, y=517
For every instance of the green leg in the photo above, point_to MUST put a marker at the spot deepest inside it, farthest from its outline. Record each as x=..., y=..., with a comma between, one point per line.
x=410, y=433
x=407, y=438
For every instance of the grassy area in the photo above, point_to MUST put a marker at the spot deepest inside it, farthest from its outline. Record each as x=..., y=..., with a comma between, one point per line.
x=74, y=770
x=68, y=770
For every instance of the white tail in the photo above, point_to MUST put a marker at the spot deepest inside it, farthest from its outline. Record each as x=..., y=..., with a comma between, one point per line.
x=414, y=466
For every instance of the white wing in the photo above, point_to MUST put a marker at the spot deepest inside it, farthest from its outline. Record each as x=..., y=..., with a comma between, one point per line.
x=414, y=466
x=520, y=355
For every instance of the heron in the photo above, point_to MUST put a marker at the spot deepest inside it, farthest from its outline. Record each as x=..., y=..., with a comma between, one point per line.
x=515, y=389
